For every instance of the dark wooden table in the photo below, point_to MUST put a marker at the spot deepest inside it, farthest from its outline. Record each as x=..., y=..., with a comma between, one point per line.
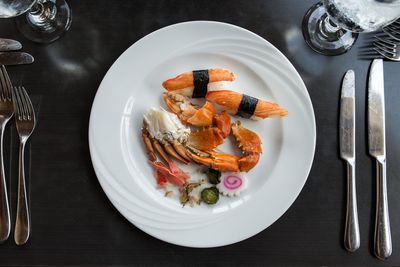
x=73, y=221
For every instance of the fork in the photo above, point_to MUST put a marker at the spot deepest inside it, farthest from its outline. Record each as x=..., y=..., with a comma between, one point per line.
x=393, y=30
x=25, y=122
x=6, y=112
x=387, y=47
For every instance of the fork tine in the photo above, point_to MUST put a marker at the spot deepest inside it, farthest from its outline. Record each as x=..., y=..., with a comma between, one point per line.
x=8, y=82
x=3, y=83
x=390, y=27
x=384, y=44
x=392, y=34
x=28, y=104
x=382, y=53
x=17, y=104
x=395, y=30
x=23, y=104
x=382, y=48
x=386, y=40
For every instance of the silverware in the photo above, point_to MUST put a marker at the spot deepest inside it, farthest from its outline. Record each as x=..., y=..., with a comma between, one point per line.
x=9, y=45
x=387, y=47
x=15, y=58
x=393, y=30
x=25, y=122
x=6, y=112
x=377, y=149
x=347, y=153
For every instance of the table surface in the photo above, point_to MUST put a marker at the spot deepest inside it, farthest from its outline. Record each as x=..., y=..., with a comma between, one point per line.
x=73, y=222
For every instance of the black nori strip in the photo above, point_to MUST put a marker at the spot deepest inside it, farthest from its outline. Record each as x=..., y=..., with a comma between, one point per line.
x=200, y=81
x=247, y=106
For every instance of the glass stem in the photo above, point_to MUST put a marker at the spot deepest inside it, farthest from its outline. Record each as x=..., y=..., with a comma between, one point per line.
x=329, y=29
x=42, y=14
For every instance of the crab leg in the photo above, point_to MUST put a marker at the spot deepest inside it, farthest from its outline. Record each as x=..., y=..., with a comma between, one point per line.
x=214, y=160
x=147, y=143
x=171, y=151
x=158, y=147
x=179, y=148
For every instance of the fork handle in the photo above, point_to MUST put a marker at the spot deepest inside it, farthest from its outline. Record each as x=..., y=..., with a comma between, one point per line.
x=22, y=224
x=5, y=224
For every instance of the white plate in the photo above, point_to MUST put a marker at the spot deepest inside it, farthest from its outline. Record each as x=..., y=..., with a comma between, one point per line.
x=133, y=84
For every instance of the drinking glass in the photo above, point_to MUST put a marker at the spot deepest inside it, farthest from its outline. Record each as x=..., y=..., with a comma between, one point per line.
x=42, y=21
x=331, y=27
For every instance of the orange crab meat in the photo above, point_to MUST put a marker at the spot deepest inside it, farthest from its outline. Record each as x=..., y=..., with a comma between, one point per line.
x=206, y=139
x=203, y=116
x=223, y=122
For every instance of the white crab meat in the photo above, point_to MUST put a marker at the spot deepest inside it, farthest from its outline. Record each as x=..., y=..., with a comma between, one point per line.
x=164, y=125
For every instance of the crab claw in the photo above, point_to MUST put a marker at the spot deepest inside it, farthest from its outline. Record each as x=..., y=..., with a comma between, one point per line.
x=214, y=160
x=180, y=105
x=187, y=112
x=206, y=139
x=248, y=162
x=223, y=122
x=248, y=141
x=203, y=116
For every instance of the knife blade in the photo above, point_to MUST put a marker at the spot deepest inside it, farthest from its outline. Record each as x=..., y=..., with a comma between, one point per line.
x=15, y=58
x=347, y=112
x=377, y=149
x=9, y=45
x=347, y=153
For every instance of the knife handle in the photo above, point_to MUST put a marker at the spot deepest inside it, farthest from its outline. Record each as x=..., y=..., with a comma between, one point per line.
x=351, y=231
x=383, y=240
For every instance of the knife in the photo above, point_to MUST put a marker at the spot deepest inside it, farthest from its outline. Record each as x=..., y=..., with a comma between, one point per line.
x=15, y=58
x=377, y=149
x=347, y=153
x=9, y=45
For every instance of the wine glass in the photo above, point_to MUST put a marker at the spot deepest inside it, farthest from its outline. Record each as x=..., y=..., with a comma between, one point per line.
x=42, y=21
x=331, y=27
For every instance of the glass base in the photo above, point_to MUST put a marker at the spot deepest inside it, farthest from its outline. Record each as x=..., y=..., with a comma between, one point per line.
x=47, y=21
x=323, y=36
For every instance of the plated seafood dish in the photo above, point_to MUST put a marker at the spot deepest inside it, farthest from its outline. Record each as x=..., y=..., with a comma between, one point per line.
x=197, y=118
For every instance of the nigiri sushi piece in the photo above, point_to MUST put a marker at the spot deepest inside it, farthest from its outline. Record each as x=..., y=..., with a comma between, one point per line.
x=196, y=83
x=244, y=105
